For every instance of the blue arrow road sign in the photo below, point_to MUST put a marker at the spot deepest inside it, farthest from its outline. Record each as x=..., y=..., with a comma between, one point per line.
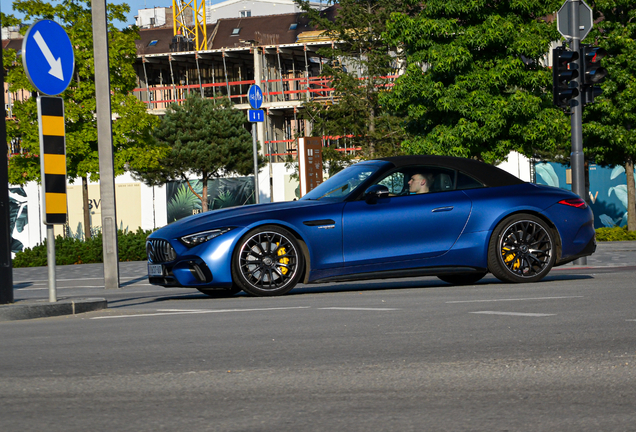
x=47, y=57
x=255, y=96
x=255, y=115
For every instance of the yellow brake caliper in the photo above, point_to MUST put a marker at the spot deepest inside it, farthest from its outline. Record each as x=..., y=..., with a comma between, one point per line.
x=509, y=256
x=283, y=260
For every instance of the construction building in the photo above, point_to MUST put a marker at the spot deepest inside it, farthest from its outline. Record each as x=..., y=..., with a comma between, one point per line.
x=276, y=52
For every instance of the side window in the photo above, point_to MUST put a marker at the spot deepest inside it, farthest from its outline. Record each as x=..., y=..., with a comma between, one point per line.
x=443, y=180
x=419, y=179
x=395, y=182
x=467, y=182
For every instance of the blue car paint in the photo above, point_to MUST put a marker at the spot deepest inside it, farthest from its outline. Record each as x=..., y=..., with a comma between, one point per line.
x=324, y=243
x=412, y=227
x=433, y=230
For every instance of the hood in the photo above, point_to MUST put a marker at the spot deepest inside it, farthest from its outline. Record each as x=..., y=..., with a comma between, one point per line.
x=233, y=216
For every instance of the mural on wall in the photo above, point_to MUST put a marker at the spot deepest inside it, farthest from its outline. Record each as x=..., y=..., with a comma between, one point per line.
x=18, y=218
x=222, y=193
x=607, y=195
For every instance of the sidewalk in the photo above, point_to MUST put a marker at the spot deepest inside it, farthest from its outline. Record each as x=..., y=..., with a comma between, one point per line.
x=612, y=254
x=133, y=275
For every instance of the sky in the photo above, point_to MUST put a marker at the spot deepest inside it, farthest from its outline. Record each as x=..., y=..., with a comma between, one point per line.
x=135, y=5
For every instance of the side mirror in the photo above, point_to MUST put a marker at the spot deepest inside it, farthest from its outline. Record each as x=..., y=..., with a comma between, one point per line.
x=374, y=192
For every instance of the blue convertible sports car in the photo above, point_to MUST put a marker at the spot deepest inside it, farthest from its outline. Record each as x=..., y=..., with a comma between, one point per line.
x=453, y=218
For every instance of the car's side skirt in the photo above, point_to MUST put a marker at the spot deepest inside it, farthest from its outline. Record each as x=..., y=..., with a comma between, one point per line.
x=412, y=272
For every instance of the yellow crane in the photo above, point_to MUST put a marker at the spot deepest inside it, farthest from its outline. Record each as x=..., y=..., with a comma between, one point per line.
x=189, y=21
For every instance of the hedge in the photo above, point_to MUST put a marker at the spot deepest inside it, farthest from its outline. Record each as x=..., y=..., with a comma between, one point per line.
x=615, y=234
x=69, y=250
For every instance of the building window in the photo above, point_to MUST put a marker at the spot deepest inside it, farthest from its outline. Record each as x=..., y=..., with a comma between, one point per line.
x=293, y=26
x=245, y=13
x=236, y=31
x=152, y=42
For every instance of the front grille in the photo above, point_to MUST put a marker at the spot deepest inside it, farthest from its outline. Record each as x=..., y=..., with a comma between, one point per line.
x=160, y=251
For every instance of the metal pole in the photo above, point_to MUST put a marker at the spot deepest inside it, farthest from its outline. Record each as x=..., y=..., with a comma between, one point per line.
x=50, y=261
x=196, y=56
x=255, y=151
x=577, y=159
x=105, y=145
x=6, y=269
x=174, y=88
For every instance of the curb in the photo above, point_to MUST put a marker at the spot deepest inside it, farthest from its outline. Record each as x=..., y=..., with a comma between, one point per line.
x=37, y=309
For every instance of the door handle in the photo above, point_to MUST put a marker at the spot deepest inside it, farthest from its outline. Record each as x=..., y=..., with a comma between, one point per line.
x=443, y=209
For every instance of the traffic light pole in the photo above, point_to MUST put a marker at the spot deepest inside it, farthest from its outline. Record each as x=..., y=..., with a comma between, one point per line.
x=577, y=160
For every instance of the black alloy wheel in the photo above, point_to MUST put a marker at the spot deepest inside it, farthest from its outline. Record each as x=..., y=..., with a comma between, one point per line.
x=267, y=261
x=521, y=249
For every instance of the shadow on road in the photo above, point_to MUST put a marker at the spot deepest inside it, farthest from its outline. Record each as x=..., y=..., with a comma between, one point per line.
x=365, y=286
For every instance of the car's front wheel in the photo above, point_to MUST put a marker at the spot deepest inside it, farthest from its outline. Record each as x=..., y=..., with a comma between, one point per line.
x=267, y=261
x=521, y=249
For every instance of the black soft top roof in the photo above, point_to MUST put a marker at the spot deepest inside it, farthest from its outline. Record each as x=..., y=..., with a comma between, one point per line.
x=487, y=174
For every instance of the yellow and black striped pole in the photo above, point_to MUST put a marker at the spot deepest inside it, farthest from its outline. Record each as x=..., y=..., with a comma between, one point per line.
x=52, y=159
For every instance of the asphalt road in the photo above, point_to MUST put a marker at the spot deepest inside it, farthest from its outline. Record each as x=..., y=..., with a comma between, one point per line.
x=402, y=355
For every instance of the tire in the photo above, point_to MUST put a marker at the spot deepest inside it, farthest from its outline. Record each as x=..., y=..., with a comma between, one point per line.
x=267, y=261
x=220, y=292
x=522, y=249
x=462, y=279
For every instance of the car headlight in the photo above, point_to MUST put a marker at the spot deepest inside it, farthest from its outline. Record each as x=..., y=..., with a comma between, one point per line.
x=195, y=239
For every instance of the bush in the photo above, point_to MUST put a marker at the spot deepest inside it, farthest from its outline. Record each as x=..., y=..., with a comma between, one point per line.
x=69, y=250
x=615, y=234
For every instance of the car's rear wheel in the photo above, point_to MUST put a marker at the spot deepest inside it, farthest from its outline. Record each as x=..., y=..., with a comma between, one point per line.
x=221, y=292
x=521, y=249
x=267, y=261
x=463, y=279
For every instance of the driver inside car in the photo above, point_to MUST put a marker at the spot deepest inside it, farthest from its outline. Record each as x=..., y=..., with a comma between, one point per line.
x=420, y=183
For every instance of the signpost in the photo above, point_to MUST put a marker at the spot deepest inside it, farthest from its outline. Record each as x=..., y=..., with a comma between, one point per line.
x=309, y=163
x=48, y=60
x=565, y=19
x=47, y=57
x=255, y=96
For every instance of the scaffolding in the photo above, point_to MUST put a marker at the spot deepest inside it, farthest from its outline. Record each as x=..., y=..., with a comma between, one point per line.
x=289, y=77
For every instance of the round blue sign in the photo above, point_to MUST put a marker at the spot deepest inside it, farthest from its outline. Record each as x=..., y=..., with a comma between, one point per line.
x=47, y=57
x=255, y=96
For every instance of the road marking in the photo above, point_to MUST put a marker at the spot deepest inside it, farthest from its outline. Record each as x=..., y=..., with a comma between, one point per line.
x=513, y=314
x=358, y=309
x=513, y=299
x=164, y=312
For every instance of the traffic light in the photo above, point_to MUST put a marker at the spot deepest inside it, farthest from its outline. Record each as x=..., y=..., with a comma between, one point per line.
x=564, y=72
x=591, y=71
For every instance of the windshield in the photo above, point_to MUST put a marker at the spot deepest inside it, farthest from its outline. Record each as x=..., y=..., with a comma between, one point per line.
x=343, y=184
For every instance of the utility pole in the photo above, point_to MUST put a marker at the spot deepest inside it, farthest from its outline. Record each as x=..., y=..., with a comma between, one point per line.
x=105, y=145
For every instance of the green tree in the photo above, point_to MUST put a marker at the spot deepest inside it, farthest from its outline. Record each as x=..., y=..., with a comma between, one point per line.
x=610, y=123
x=361, y=68
x=203, y=137
x=132, y=129
x=474, y=84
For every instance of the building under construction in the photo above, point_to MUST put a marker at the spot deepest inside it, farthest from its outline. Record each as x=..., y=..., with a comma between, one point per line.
x=276, y=52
